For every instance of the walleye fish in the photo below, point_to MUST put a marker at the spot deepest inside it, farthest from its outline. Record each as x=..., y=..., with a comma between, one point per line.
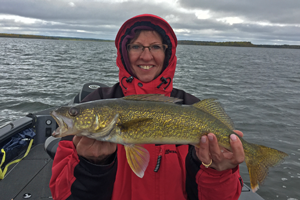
x=156, y=119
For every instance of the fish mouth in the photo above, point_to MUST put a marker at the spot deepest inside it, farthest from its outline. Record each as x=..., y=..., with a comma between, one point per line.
x=64, y=124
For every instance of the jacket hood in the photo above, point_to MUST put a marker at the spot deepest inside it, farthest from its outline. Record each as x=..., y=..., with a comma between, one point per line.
x=163, y=84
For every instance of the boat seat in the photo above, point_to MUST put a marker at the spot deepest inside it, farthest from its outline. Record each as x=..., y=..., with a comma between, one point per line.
x=51, y=145
x=86, y=90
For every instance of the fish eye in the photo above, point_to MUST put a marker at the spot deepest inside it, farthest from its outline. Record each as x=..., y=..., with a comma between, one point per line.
x=73, y=111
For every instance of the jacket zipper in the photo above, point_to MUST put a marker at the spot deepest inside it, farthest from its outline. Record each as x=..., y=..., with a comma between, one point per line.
x=158, y=160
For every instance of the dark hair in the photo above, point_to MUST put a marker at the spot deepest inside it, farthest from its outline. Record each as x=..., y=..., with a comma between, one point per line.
x=138, y=32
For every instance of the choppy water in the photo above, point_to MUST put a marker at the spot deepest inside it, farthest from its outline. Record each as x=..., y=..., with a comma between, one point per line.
x=259, y=88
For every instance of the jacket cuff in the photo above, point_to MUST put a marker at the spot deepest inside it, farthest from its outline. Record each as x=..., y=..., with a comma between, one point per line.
x=97, y=169
x=214, y=172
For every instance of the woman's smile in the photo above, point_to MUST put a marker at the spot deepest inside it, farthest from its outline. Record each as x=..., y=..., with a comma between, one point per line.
x=145, y=66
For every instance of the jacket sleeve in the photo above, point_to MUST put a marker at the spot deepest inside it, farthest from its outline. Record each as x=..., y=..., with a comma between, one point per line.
x=209, y=184
x=74, y=178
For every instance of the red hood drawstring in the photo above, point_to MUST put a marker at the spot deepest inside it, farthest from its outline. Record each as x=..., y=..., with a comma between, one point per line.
x=164, y=82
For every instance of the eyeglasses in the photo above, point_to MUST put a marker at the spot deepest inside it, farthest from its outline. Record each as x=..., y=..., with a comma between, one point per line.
x=154, y=48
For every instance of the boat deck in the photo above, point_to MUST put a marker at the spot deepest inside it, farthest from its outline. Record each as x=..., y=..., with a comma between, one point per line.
x=35, y=171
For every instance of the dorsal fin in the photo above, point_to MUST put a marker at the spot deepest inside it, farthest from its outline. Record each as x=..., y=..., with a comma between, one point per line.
x=214, y=108
x=152, y=97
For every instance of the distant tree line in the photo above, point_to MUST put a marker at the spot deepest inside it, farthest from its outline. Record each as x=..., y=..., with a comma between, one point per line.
x=48, y=37
x=212, y=43
x=26, y=36
x=186, y=42
x=236, y=44
x=279, y=46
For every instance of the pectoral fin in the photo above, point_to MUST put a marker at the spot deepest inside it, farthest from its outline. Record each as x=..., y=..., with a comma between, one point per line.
x=136, y=123
x=138, y=159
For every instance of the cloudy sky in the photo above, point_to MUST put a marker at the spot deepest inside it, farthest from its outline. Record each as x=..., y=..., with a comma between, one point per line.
x=257, y=21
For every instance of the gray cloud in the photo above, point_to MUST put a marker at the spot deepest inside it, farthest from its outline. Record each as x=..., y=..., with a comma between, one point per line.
x=275, y=11
x=279, y=20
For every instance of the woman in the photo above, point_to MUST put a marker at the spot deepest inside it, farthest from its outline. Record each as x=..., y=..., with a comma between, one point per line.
x=84, y=168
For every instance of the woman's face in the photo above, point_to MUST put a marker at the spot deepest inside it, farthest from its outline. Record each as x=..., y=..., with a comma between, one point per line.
x=146, y=65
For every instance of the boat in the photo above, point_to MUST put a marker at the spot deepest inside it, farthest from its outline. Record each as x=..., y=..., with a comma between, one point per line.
x=29, y=177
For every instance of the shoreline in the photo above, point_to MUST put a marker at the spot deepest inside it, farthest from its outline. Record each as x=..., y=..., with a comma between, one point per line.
x=185, y=42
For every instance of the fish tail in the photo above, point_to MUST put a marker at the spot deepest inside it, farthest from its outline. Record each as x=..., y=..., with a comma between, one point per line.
x=258, y=159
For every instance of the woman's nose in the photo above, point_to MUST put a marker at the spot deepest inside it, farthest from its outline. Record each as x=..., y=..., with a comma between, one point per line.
x=146, y=55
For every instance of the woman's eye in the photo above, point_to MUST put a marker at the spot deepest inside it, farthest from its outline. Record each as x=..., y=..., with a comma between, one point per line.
x=135, y=46
x=156, y=47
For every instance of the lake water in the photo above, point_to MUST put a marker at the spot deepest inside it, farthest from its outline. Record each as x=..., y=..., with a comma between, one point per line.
x=258, y=87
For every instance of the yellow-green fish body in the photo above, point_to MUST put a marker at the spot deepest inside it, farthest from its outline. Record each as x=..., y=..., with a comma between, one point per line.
x=156, y=119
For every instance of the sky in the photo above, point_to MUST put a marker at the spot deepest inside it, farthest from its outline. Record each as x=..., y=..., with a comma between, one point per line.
x=256, y=21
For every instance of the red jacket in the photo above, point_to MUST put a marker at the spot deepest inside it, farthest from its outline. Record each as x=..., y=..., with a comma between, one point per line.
x=174, y=171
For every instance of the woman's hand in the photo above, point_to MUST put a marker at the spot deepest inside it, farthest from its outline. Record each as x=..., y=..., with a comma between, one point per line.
x=221, y=158
x=95, y=151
